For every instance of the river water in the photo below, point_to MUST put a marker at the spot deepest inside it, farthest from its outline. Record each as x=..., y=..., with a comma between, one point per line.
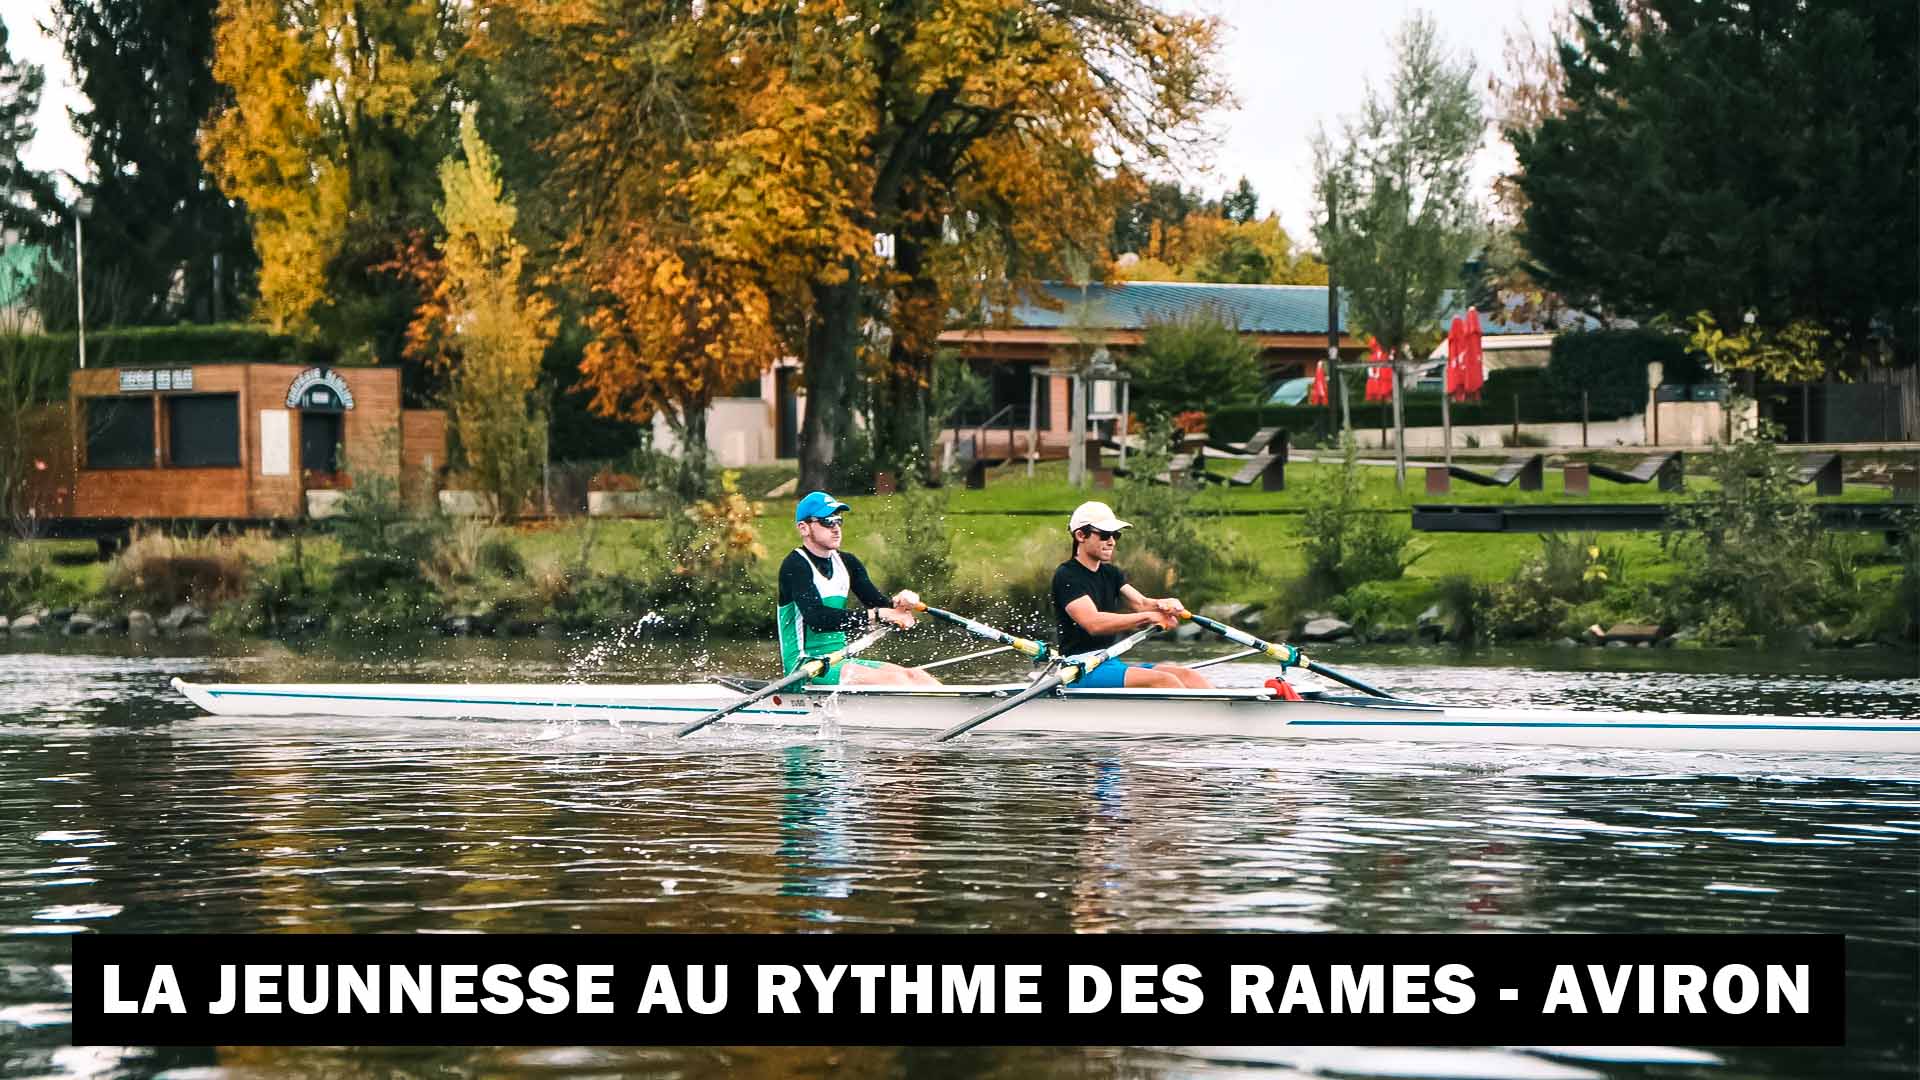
x=122, y=810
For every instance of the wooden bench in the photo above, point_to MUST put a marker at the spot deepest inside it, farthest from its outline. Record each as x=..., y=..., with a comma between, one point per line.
x=1669, y=469
x=1268, y=464
x=1529, y=469
x=1822, y=470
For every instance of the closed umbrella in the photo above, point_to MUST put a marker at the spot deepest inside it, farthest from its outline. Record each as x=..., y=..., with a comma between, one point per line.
x=1475, y=366
x=1318, y=395
x=1456, y=381
x=1380, y=374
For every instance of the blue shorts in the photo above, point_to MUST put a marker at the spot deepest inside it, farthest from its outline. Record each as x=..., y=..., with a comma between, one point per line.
x=1111, y=675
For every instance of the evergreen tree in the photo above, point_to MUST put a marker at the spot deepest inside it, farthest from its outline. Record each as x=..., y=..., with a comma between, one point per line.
x=1242, y=204
x=1734, y=157
x=24, y=194
x=176, y=246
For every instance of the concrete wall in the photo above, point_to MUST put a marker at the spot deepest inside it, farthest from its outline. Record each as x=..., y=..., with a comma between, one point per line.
x=740, y=431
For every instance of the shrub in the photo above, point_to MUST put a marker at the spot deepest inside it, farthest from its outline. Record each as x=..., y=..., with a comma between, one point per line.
x=1749, y=545
x=1197, y=363
x=1610, y=366
x=1541, y=596
x=1347, y=543
x=1167, y=524
x=921, y=558
x=1366, y=606
x=158, y=571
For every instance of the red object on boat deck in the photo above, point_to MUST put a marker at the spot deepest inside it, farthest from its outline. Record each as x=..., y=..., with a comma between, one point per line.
x=1284, y=690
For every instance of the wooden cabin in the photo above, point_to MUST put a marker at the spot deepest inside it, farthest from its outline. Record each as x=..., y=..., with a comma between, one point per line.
x=229, y=441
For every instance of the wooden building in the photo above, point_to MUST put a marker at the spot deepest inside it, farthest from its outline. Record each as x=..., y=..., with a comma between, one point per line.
x=229, y=442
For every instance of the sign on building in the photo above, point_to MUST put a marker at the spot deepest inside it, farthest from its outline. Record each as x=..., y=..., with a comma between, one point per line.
x=321, y=390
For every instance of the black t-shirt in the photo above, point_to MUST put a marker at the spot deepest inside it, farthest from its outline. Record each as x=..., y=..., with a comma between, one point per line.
x=1073, y=581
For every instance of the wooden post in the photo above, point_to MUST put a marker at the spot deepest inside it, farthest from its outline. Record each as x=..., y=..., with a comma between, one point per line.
x=1516, y=419
x=1446, y=419
x=1583, y=419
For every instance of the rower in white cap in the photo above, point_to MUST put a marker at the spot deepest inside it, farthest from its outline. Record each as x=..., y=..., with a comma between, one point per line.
x=1094, y=605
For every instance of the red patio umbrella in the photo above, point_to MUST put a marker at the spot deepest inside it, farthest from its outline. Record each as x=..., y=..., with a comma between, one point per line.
x=1474, y=367
x=1379, y=374
x=1318, y=395
x=1454, y=386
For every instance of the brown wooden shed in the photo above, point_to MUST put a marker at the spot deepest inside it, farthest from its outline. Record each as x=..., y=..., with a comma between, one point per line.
x=234, y=441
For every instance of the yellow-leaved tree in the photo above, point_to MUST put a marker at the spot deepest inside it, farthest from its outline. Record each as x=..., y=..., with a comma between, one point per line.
x=755, y=149
x=339, y=111
x=484, y=326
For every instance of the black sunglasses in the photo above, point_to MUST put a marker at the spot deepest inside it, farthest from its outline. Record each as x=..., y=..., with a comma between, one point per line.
x=829, y=522
x=1101, y=533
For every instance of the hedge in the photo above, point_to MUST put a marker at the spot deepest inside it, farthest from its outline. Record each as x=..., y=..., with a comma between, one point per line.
x=1422, y=409
x=159, y=346
x=1610, y=366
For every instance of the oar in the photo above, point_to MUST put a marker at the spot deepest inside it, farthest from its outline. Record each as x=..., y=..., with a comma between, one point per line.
x=806, y=669
x=1286, y=654
x=1034, y=650
x=965, y=656
x=1065, y=674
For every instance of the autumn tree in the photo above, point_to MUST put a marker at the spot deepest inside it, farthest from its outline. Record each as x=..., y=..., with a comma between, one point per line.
x=1737, y=158
x=485, y=327
x=1402, y=219
x=769, y=143
x=339, y=112
x=159, y=224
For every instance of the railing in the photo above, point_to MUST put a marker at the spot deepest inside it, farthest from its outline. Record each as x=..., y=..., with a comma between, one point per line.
x=980, y=433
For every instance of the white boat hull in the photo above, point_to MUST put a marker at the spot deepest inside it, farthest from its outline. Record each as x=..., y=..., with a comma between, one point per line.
x=1232, y=712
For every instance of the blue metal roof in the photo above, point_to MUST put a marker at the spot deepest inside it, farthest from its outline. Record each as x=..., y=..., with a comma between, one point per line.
x=1135, y=305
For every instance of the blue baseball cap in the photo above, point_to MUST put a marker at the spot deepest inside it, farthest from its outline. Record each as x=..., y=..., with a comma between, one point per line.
x=819, y=504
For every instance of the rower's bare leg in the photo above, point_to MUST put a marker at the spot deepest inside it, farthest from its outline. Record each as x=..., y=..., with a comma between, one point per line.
x=1166, y=677
x=885, y=675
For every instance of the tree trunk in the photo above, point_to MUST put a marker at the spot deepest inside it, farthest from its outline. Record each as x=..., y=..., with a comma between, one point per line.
x=1399, y=430
x=832, y=351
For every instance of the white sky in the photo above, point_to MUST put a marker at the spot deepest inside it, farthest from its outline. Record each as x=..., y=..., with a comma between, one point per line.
x=1295, y=65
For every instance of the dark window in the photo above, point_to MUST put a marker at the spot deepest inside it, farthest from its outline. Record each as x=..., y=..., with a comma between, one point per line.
x=746, y=388
x=120, y=433
x=203, y=431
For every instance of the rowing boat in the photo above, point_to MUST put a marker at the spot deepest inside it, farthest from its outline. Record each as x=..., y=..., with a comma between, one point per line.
x=1242, y=712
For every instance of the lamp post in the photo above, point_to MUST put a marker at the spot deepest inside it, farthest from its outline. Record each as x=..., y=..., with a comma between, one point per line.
x=81, y=208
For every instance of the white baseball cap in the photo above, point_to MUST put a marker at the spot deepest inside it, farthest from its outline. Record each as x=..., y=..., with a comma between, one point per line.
x=1095, y=515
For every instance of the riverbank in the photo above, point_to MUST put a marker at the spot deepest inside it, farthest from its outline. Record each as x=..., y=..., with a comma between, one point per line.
x=1261, y=557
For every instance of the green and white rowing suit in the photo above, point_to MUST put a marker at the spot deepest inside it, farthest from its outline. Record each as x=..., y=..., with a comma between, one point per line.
x=813, y=617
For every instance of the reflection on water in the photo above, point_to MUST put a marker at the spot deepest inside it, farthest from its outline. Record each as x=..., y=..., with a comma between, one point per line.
x=122, y=811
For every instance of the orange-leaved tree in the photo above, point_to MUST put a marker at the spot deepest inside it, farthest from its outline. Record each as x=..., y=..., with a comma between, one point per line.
x=772, y=140
x=339, y=112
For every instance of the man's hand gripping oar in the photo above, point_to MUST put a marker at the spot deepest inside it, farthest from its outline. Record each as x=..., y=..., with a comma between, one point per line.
x=1070, y=670
x=1288, y=655
x=806, y=669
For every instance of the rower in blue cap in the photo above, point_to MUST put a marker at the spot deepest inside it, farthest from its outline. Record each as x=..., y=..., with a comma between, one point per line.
x=816, y=581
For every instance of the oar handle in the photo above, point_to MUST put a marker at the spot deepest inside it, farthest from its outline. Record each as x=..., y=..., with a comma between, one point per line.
x=1288, y=655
